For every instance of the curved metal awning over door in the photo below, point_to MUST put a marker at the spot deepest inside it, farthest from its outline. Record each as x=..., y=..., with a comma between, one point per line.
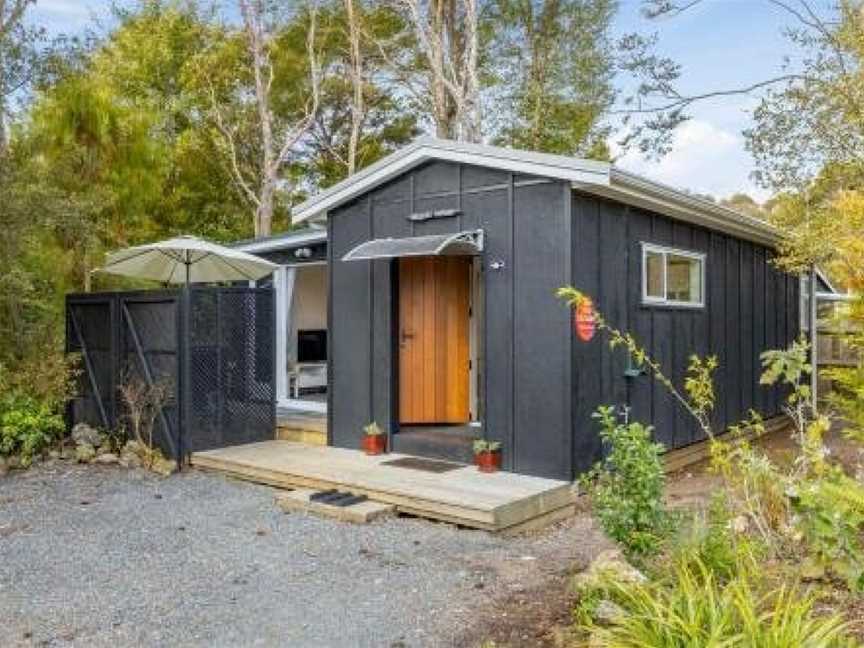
x=458, y=244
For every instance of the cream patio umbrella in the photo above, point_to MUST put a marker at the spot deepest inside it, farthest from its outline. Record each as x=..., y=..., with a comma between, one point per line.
x=186, y=260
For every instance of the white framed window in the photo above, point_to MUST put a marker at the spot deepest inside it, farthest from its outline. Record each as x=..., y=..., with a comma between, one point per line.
x=672, y=277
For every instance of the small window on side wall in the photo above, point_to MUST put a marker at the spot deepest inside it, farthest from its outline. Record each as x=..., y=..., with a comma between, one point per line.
x=672, y=277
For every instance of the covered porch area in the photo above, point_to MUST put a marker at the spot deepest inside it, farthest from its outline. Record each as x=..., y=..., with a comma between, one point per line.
x=450, y=492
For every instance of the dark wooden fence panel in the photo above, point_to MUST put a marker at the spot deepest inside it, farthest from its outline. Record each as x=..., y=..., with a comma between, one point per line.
x=229, y=393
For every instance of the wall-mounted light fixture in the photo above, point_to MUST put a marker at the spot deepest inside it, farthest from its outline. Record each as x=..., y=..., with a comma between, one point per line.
x=303, y=253
x=496, y=265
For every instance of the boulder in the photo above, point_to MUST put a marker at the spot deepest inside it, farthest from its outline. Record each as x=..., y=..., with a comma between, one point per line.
x=739, y=524
x=607, y=613
x=13, y=462
x=84, y=453
x=609, y=565
x=83, y=434
x=129, y=460
x=4, y=467
x=107, y=458
x=54, y=454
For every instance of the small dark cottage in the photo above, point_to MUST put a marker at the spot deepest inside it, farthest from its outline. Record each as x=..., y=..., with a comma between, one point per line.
x=442, y=324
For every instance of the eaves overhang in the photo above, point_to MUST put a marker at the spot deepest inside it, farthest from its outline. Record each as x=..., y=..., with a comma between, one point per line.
x=638, y=191
x=426, y=149
x=589, y=176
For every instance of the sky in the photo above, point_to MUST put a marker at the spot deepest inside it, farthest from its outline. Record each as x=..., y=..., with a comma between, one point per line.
x=720, y=44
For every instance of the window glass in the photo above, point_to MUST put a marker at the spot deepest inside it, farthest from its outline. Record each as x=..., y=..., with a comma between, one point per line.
x=654, y=275
x=673, y=277
x=683, y=279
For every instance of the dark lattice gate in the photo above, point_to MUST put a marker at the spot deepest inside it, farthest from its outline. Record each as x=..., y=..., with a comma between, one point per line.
x=228, y=391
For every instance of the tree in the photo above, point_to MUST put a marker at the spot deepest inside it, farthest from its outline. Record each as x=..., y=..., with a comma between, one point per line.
x=277, y=141
x=19, y=58
x=361, y=116
x=447, y=43
x=817, y=116
x=556, y=63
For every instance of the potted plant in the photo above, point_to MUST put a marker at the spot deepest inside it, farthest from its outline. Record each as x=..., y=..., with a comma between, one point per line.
x=487, y=455
x=374, y=440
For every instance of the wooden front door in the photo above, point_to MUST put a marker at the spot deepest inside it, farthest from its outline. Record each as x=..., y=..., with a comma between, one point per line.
x=434, y=330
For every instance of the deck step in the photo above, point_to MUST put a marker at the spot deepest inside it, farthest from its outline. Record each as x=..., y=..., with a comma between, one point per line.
x=363, y=511
x=298, y=435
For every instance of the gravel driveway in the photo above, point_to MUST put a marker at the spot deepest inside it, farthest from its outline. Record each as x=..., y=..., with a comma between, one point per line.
x=102, y=556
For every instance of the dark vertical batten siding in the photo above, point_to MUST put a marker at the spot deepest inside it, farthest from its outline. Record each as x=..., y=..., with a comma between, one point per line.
x=525, y=374
x=750, y=307
x=538, y=384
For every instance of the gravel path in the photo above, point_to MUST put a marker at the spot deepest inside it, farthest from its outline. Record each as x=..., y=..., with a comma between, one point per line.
x=101, y=556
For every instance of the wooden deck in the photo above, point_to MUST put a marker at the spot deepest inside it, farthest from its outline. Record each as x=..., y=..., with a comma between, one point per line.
x=495, y=502
x=301, y=427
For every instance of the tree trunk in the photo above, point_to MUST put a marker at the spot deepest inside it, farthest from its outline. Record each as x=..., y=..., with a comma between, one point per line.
x=264, y=212
x=357, y=82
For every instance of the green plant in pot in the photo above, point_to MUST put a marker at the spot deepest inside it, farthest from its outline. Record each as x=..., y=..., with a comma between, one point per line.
x=487, y=455
x=374, y=439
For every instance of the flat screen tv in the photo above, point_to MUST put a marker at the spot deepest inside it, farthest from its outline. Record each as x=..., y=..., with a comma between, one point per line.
x=312, y=345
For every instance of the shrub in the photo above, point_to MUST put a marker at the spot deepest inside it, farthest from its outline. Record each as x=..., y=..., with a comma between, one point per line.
x=27, y=427
x=711, y=540
x=830, y=514
x=692, y=607
x=627, y=486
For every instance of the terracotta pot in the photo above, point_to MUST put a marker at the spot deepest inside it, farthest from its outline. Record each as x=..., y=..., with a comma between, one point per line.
x=488, y=462
x=374, y=444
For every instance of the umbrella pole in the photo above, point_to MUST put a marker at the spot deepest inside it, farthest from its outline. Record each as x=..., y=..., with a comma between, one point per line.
x=184, y=369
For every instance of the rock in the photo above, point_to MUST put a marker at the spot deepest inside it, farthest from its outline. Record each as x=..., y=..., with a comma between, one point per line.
x=54, y=454
x=4, y=467
x=107, y=458
x=609, y=565
x=13, y=462
x=85, y=453
x=130, y=460
x=67, y=453
x=83, y=434
x=164, y=467
x=739, y=524
x=607, y=613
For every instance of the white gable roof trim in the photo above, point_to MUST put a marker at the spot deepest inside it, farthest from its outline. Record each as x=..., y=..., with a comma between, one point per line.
x=598, y=178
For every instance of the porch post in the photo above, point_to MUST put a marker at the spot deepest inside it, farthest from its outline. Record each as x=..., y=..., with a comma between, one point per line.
x=284, y=284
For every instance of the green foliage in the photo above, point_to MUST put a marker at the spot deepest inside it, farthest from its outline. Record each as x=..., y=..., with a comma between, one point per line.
x=698, y=396
x=553, y=62
x=627, y=486
x=710, y=540
x=481, y=446
x=27, y=426
x=693, y=607
x=830, y=514
x=372, y=429
x=699, y=383
x=847, y=397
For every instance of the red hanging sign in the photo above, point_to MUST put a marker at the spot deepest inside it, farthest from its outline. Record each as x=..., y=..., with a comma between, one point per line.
x=584, y=321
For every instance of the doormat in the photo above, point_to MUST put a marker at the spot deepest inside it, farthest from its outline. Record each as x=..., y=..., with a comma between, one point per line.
x=426, y=465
